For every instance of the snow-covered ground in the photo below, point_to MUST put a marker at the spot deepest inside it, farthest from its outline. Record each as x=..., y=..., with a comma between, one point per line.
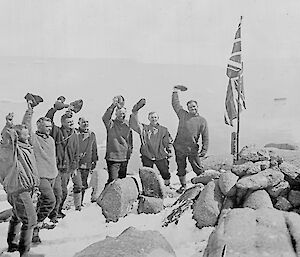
x=80, y=229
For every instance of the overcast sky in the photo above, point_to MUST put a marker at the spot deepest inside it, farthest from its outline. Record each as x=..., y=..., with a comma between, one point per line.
x=168, y=31
x=149, y=46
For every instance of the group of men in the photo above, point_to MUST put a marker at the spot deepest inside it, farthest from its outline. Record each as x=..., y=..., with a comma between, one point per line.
x=44, y=162
x=156, y=140
x=50, y=157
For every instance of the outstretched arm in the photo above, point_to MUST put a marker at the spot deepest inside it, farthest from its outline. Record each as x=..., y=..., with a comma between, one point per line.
x=175, y=101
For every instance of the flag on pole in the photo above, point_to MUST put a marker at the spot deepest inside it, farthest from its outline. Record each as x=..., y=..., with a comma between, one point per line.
x=235, y=88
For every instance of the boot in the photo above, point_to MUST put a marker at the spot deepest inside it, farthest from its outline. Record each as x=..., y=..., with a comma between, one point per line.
x=11, y=237
x=25, y=241
x=77, y=201
x=35, y=236
x=182, y=180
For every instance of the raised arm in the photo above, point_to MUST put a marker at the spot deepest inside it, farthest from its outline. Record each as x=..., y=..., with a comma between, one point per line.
x=106, y=118
x=175, y=101
x=134, y=122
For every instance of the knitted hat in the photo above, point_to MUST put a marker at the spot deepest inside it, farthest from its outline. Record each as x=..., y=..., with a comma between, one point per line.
x=76, y=105
x=34, y=99
x=139, y=105
x=181, y=87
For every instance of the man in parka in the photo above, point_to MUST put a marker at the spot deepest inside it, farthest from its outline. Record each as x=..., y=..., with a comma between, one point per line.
x=155, y=141
x=20, y=179
x=88, y=154
x=118, y=141
x=191, y=127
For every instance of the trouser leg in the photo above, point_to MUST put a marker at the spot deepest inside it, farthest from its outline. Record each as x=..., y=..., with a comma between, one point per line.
x=13, y=230
x=77, y=189
x=84, y=178
x=65, y=178
x=123, y=169
x=57, y=189
x=113, y=170
x=196, y=164
x=46, y=200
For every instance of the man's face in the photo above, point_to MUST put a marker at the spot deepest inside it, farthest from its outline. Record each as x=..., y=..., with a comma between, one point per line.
x=68, y=123
x=121, y=114
x=45, y=127
x=153, y=118
x=83, y=124
x=192, y=108
x=24, y=135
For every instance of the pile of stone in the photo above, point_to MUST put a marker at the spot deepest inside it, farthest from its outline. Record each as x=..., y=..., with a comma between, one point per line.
x=260, y=179
x=153, y=191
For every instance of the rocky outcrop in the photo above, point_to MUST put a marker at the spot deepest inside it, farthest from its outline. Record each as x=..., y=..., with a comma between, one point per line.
x=132, y=243
x=150, y=205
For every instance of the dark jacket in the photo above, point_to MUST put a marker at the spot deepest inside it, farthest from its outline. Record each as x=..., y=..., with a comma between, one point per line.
x=155, y=140
x=66, y=144
x=119, y=141
x=190, y=128
x=87, y=148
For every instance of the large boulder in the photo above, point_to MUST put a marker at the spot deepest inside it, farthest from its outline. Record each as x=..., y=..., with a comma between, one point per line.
x=206, y=177
x=117, y=199
x=294, y=198
x=281, y=189
x=264, y=179
x=246, y=232
x=291, y=173
x=257, y=167
x=150, y=205
x=293, y=223
x=130, y=243
x=152, y=183
x=227, y=183
x=218, y=162
x=241, y=169
x=283, y=204
x=254, y=154
x=207, y=207
x=258, y=199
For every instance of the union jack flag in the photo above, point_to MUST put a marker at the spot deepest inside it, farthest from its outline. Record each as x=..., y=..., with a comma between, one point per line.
x=235, y=88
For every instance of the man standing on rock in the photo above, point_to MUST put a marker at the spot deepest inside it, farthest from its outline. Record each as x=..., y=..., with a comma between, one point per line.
x=119, y=140
x=155, y=141
x=191, y=126
x=88, y=154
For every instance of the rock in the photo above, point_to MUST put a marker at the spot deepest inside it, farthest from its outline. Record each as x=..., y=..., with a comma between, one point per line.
x=257, y=200
x=241, y=169
x=5, y=215
x=97, y=182
x=284, y=146
x=283, y=204
x=206, y=177
x=254, y=154
x=218, y=162
x=261, y=180
x=227, y=182
x=246, y=232
x=132, y=243
x=294, y=198
x=152, y=183
x=258, y=167
x=282, y=188
x=117, y=198
x=207, y=207
x=150, y=205
x=291, y=173
x=293, y=223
